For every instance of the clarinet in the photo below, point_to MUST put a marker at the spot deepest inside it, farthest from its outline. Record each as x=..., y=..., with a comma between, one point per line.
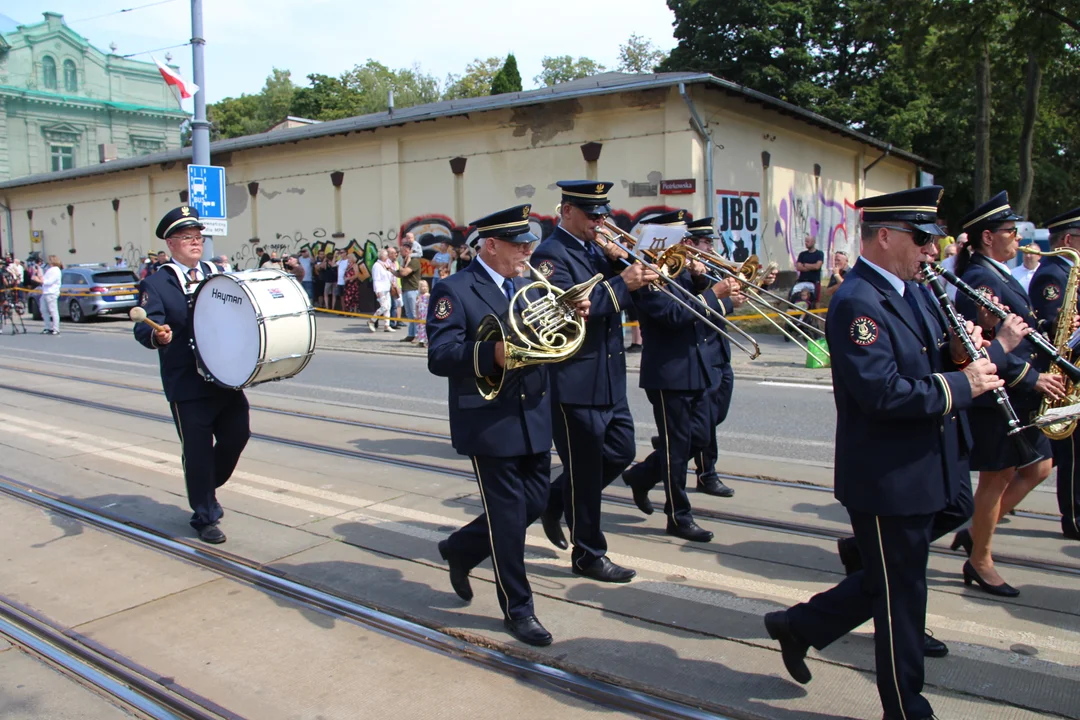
x=1027, y=453
x=1068, y=369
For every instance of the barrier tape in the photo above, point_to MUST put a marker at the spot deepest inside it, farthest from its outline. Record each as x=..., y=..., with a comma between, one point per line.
x=135, y=291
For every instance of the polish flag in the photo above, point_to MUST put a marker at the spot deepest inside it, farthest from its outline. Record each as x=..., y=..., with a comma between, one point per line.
x=179, y=84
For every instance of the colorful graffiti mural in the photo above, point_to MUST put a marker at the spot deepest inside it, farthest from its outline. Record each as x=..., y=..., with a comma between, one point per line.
x=825, y=214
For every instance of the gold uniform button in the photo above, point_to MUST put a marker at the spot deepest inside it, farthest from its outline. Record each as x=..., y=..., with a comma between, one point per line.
x=523, y=396
x=924, y=351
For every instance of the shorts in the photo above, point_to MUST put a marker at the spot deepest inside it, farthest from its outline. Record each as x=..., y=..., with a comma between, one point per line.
x=338, y=290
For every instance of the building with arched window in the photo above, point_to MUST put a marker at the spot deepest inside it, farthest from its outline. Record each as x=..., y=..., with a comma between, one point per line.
x=65, y=104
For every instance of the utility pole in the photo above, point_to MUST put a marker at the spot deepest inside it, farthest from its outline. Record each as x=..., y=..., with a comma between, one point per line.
x=200, y=128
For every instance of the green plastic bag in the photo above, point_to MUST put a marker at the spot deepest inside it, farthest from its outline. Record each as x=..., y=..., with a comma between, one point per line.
x=817, y=354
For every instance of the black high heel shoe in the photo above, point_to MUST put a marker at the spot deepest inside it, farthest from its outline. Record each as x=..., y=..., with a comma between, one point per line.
x=1002, y=590
x=962, y=540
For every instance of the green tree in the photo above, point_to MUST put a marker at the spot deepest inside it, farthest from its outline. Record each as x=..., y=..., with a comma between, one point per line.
x=235, y=117
x=508, y=79
x=564, y=68
x=475, y=82
x=325, y=98
x=276, y=96
x=638, y=55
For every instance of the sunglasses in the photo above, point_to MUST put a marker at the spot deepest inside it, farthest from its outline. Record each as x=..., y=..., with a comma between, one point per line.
x=919, y=237
x=1010, y=232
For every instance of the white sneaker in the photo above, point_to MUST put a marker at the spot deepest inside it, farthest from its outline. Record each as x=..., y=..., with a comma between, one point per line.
x=371, y=327
x=389, y=329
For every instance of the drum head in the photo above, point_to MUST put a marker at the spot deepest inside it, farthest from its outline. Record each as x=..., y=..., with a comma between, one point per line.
x=226, y=331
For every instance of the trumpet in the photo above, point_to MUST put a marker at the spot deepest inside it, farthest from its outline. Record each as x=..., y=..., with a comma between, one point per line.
x=667, y=268
x=547, y=330
x=746, y=273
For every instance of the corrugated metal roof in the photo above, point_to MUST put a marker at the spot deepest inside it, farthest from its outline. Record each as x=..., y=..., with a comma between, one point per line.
x=605, y=84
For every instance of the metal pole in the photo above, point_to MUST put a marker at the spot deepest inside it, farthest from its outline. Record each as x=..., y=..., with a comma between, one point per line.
x=699, y=126
x=11, y=238
x=200, y=128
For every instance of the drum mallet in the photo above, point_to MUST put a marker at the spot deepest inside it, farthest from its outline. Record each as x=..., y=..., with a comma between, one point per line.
x=137, y=314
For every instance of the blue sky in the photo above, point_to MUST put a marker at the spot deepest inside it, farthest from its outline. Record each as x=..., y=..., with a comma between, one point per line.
x=246, y=38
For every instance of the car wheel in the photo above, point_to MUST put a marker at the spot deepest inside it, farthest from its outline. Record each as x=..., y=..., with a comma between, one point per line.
x=34, y=308
x=75, y=312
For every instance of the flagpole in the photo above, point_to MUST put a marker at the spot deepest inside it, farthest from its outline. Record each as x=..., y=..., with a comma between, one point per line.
x=200, y=128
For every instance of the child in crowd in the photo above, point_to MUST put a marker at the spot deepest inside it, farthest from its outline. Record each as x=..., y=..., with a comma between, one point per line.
x=421, y=313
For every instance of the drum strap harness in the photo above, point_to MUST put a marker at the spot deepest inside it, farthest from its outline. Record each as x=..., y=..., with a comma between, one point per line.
x=180, y=271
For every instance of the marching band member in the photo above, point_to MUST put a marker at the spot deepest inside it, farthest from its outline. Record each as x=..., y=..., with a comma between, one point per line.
x=212, y=421
x=992, y=241
x=723, y=297
x=1047, y=295
x=508, y=438
x=676, y=373
x=593, y=427
x=899, y=396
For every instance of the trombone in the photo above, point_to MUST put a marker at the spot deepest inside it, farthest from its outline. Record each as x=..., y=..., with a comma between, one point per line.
x=748, y=274
x=667, y=269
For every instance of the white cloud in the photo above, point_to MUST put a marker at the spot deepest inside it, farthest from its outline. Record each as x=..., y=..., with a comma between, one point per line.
x=246, y=38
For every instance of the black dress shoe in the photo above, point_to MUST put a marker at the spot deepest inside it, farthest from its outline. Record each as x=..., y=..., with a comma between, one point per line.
x=553, y=529
x=459, y=576
x=712, y=485
x=1069, y=533
x=528, y=630
x=932, y=647
x=603, y=570
x=849, y=555
x=634, y=348
x=962, y=540
x=1002, y=590
x=211, y=534
x=641, y=495
x=689, y=531
x=792, y=649
x=655, y=440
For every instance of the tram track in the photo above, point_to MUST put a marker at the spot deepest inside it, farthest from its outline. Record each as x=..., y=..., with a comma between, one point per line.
x=105, y=672
x=719, y=516
x=605, y=691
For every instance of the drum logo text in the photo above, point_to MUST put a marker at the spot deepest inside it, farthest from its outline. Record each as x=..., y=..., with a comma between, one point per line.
x=226, y=298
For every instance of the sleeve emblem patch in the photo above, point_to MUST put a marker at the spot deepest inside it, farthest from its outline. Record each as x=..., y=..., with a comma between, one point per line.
x=864, y=331
x=1051, y=292
x=546, y=268
x=443, y=308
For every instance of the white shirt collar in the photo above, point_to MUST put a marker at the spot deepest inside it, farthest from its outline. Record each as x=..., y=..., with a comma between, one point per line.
x=495, y=277
x=893, y=280
x=1003, y=268
x=580, y=241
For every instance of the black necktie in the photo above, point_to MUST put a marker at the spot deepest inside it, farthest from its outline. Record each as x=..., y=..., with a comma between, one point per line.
x=911, y=294
x=593, y=252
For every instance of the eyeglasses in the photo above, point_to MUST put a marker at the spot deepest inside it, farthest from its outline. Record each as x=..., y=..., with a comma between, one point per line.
x=187, y=239
x=1010, y=232
x=919, y=237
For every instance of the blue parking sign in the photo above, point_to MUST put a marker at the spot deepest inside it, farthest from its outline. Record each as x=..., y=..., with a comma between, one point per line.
x=206, y=193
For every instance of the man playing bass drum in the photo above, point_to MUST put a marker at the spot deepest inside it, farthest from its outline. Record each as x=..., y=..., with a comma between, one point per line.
x=1047, y=291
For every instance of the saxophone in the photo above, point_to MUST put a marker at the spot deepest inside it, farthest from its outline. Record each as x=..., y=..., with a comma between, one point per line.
x=1063, y=429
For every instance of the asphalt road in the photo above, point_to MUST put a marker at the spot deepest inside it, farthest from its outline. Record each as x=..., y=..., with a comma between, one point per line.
x=767, y=419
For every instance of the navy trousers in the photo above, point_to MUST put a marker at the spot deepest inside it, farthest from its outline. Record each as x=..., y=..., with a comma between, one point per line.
x=682, y=420
x=514, y=493
x=1068, y=488
x=830, y=615
x=719, y=401
x=213, y=432
x=595, y=445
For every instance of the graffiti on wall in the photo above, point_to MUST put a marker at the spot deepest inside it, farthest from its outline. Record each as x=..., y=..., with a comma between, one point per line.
x=738, y=223
x=825, y=214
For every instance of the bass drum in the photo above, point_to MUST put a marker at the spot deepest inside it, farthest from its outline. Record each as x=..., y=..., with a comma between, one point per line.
x=251, y=327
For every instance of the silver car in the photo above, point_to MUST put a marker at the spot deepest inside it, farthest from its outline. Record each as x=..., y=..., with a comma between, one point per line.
x=88, y=291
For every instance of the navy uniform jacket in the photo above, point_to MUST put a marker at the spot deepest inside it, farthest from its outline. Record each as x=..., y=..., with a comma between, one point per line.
x=166, y=304
x=675, y=353
x=518, y=421
x=1047, y=292
x=901, y=437
x=718, y=347
x=1016, y=371
x=596, y=375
